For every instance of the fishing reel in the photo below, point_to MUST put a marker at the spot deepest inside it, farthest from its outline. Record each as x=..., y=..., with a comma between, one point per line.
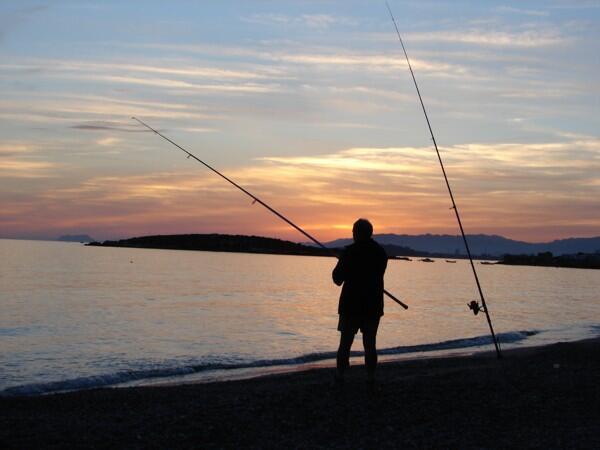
x=475, y=307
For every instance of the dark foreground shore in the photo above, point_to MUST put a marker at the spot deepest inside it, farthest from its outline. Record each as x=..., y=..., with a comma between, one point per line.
x=547, y=397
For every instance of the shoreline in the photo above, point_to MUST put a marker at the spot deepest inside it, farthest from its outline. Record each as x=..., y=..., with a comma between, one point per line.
x=254, y=373
x=543, y=397
x=201, y=373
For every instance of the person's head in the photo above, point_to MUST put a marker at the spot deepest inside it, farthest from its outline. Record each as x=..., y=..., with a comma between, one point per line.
x=362, y=230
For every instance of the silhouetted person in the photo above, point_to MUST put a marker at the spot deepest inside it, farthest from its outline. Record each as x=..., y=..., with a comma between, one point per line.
x=360, y=268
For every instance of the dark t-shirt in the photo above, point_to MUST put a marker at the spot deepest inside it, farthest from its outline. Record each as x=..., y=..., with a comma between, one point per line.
x=361, y=267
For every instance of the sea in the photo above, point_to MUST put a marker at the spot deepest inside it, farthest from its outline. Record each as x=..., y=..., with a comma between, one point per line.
x=76, y=317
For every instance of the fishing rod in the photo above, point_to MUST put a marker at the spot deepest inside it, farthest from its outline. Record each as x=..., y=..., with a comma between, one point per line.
x=255, y=199
x=474, y=306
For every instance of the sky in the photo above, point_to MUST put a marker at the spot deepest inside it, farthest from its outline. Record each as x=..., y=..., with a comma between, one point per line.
x=307, y=104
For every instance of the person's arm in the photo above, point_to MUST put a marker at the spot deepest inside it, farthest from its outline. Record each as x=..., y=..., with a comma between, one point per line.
x=383, y=260
x=339, y=273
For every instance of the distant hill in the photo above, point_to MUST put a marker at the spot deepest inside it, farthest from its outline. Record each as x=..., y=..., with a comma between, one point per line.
x=76, y=238
x=480, y=244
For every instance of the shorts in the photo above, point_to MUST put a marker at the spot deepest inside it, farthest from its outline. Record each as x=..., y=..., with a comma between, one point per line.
x=351, y=324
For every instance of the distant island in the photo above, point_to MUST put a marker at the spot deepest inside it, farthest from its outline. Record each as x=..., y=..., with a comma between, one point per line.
x=76, y=238
x=240, y=244
x=219, y=243
x=547, y=259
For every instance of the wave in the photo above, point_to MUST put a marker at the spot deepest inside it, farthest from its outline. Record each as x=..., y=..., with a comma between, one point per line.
x=97, y=381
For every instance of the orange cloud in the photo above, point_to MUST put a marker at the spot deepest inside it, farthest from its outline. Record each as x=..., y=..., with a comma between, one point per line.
x=529, y=191
x=14, y=168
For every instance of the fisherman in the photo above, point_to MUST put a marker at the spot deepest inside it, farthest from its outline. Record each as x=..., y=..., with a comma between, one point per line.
x=360, y=269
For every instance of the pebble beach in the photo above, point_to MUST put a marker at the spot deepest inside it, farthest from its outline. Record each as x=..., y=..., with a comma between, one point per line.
x=543, y=397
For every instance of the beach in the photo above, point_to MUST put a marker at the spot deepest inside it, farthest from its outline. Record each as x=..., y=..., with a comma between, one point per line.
x=543, y=397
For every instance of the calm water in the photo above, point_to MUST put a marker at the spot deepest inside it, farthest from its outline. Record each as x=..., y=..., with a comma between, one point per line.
x=75, y=316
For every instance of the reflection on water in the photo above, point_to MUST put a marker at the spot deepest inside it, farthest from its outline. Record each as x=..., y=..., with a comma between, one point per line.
x=71, y=311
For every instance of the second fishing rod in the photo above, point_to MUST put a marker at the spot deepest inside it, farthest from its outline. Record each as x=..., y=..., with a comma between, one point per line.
x=255, y=199
x=474, y=305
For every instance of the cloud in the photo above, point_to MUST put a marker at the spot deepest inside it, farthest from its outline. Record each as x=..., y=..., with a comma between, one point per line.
x=493, y=35
x=331, y=58
x=179, y=84
x=268, y=18
x=14, y=148
x=546, y=185
x=318, y=21
x=108, y=141
x=114, y=77
x=356, y=125
x=177, y=68
x=95, y=111
x=532, y=38
x=327, y=20
x=522, y=12
x=19, y=168
x=87, y=112
x=197, y=129
x=374, y=62
x=104, y=125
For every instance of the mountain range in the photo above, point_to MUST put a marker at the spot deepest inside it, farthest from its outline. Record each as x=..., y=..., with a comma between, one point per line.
x=480, y=244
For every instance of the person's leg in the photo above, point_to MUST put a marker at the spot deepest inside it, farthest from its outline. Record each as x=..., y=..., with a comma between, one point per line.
x=343, y=353
x=369, y=335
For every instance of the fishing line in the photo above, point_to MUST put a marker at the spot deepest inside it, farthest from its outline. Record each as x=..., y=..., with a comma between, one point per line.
x=255, y=200
x=473, y=305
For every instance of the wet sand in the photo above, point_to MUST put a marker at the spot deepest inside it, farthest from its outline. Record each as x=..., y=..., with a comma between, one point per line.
x=547, y=397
